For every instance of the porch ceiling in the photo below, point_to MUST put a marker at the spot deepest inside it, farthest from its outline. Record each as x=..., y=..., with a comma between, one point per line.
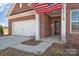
x=53, y=13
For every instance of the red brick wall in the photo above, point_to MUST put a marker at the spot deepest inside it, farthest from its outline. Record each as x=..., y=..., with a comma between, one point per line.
x=45, y=25
x=71, y=7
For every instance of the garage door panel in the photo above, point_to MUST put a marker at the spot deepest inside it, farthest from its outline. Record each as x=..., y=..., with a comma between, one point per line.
x=24, y=28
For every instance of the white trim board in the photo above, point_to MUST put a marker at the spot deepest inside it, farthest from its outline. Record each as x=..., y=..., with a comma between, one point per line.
x=37, y=26
x=63, y=23
x=22, y=14
x=12, y=7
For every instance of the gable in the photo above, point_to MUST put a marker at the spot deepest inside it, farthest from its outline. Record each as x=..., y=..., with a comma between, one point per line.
x=17, y=9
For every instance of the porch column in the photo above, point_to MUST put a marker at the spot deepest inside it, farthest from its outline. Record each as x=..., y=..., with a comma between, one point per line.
x=37, y=26
x=63, y=23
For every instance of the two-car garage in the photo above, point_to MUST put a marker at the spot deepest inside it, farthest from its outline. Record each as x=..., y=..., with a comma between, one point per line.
x=23, y=20
x=24, y=28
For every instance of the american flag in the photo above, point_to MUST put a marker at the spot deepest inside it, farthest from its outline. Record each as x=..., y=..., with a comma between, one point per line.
x=46, y=7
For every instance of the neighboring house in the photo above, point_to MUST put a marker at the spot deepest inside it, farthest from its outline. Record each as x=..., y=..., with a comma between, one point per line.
x=5, y=30
x=23, y=20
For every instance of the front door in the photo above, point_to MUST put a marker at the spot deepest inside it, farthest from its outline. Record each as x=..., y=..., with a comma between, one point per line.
x=57, y=27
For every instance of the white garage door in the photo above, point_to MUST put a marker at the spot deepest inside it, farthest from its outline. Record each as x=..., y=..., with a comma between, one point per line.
x=24, y=28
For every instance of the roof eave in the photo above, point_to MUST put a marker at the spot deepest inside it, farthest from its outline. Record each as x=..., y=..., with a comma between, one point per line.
x=10, y=9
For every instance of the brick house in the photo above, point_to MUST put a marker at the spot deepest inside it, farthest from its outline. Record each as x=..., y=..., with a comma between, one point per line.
x=23, y=20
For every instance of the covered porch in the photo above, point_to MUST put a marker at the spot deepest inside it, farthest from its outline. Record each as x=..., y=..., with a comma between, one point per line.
x=52, y=24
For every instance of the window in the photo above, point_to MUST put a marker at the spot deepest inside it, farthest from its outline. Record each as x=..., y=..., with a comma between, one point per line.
x=50, y=4
x=74, y=20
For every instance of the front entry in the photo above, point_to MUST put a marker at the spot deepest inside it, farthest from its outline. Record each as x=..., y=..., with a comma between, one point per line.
x=57, y=27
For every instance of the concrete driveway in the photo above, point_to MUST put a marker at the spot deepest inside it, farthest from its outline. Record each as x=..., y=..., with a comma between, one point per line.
x=7, y=41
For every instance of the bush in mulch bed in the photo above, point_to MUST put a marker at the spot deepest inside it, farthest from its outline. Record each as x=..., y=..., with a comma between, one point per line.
x=72, y=49
x=57, y=49
x=32, y=42
x=61, y=50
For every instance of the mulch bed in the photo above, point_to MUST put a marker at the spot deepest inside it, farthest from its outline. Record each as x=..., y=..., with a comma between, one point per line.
x=50, y=51
x=32, y=42
x=63, y=50
x=14, y=52
x=57, y=49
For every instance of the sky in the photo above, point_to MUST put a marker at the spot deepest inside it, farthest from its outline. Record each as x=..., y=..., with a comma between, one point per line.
x=4, y=7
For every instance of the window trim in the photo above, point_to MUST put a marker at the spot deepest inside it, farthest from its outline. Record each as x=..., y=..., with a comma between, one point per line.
x=72, y=21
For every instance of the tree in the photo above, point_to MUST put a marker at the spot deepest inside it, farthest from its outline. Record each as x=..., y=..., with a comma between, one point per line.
x=1, y=30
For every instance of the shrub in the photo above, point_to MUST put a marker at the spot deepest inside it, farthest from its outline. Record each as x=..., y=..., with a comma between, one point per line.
x=1, y=30
x=56, y=52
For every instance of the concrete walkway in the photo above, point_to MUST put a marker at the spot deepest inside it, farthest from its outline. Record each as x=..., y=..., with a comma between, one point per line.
x=53, y=39
x=16, y=42
x=40, y=48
